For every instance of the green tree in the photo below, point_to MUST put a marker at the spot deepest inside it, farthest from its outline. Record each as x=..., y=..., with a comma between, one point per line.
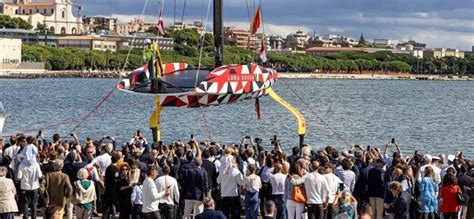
x=363, y=65
x=351, y=66
x=57, y=62
x=398, y=66
x=341, y=66
x=208, y=40
x=8, y=22
x=186, y=36
x=186, y=50
x=362, y=39
x=42, y=27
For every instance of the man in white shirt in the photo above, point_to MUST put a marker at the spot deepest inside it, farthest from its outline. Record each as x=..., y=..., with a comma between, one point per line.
x=104, y=159
x=437, y=172
x=346, y=175
x=137, y=199
x=229, y=184
x=151, y=196
x=333, y=183
x=317, y=192
x=12, y=152
x=29, y=174
x=248, y=153
x=167, y=203
x=277, y=180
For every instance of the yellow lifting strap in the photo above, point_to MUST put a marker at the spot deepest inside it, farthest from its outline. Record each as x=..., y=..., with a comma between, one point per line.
x=155, y=120
x=158, y=62
x=296, y=113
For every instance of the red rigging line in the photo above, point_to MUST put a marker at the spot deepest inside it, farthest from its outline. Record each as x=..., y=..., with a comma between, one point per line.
x=116, y=109
x=332, y=129
x=97, y=106
x=206, y=125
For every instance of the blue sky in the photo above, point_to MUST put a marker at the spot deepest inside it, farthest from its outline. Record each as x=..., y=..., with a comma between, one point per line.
x=439, y=23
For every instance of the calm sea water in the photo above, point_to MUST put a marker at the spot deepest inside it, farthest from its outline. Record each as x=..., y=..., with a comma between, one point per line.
x=428, y=116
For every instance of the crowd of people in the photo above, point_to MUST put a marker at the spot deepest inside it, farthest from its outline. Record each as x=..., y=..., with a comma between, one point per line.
x=64, y=177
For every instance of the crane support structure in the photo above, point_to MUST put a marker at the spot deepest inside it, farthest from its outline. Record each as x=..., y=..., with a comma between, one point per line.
x=155, y=120
x=294, y=111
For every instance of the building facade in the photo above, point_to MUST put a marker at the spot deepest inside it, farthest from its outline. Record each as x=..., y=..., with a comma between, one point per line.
x=382, y=42
x=417, y=53
x=320, y=51
x=276, y=42
x=454, y=52
x=297, y=40
x=197, y=25
x=138, y=41
x=135, y=25
x=10, y=57
x=30, y=37
x=441, y=52
x=57, y=14
x=101, y=22
x=411, y=45
x=89, y=43
x=240, y=38
x=331, y=40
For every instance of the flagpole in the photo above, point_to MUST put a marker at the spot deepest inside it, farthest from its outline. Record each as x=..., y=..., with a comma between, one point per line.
x=263, y=32
x=218, y=34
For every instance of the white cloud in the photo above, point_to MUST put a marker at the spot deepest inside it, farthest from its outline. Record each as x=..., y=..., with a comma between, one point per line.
x=336, y=29
x=420, y=22
x=125, y=18
x=422, y=14
x=423, y=27
x=271, y=28
x=443, y=39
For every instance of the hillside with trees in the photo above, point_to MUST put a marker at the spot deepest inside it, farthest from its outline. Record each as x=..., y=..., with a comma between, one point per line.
x=187, y=49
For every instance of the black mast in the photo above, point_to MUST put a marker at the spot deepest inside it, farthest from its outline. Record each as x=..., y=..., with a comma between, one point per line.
x=218, y=34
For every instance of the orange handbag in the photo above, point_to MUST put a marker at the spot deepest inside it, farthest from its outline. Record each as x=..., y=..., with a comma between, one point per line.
x=299, y=194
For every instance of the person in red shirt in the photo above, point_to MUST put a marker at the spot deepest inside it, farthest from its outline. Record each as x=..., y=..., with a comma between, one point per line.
x=449, y=203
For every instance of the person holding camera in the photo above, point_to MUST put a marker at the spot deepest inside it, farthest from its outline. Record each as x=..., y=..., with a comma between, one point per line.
x=345, y=205
x=229, y=187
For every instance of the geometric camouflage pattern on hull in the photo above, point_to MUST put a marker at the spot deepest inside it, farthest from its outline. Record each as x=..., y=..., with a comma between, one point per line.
x=237, y=79
x=224, y=85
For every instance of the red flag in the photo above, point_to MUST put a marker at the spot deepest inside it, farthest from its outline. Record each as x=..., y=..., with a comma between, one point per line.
x=160, y=26
x=261, y=51
x=256, y=21
x=257, y=108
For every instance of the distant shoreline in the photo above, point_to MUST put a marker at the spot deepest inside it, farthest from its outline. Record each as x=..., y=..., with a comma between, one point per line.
x=30, y=74
x=393, y=76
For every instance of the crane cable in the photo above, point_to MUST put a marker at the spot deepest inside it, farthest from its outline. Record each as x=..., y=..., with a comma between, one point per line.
x=109, y=94
x=201, y=111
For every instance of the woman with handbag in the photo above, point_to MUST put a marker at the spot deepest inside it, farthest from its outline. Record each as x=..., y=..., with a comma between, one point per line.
x=450, y=205
x=295, y=194
x=429, y=195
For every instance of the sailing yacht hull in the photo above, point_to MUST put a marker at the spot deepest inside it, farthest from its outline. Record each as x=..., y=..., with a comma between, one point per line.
x=202, y=88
